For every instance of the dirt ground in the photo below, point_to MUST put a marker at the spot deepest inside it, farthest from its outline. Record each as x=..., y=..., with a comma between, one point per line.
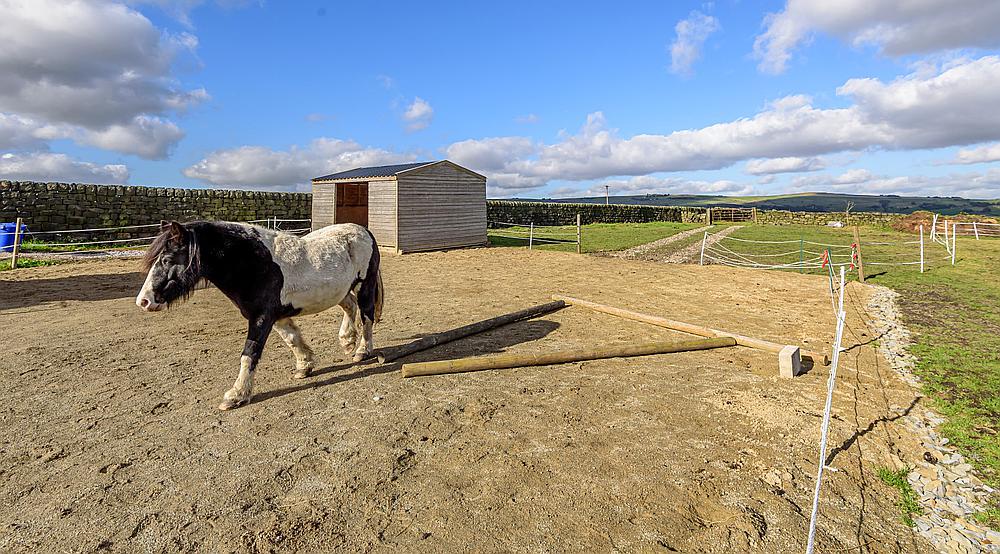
x=110, y=438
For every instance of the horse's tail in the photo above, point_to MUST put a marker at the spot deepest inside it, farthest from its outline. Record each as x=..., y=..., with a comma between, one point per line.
x=370, y=296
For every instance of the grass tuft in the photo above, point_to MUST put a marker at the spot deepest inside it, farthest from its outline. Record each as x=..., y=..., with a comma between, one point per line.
x=907, y=503
x=25, y=262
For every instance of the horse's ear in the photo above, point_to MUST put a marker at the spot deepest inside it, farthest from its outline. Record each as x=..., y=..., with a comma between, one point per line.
x=175, y=229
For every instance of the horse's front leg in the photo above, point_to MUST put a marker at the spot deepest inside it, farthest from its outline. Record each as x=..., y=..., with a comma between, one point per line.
x=258, y=329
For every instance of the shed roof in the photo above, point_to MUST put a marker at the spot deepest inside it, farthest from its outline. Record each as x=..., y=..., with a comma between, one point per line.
x=377, y=171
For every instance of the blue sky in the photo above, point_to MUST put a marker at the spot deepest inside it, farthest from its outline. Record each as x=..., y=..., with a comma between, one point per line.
x=546, y=99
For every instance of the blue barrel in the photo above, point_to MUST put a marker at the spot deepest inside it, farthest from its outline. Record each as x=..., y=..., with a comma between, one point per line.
x=7, y=235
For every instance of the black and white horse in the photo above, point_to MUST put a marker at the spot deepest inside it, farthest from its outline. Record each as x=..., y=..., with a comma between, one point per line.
x=271, y=276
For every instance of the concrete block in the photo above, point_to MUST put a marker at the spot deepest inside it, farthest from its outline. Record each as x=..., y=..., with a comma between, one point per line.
x=789, y=362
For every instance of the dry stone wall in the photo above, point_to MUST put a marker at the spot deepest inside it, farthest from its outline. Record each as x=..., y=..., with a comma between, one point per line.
x=551, y=213
x=61, y=206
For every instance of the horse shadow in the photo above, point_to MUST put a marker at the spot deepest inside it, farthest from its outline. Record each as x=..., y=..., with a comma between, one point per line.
x=490, y=342
x=87, y=288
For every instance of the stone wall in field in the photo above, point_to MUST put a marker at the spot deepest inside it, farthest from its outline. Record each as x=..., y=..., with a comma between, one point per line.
x=549, y=213
x=59, y=206
x=782, y=217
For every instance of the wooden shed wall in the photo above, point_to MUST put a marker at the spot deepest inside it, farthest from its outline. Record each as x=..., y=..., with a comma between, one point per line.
x=382, y=211
x=440, y=207
x=324, y=204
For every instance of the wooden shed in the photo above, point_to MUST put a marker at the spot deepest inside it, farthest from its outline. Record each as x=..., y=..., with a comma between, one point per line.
x=409, y=207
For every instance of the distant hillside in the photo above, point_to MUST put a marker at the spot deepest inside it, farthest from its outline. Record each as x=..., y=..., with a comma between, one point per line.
x=806, y=202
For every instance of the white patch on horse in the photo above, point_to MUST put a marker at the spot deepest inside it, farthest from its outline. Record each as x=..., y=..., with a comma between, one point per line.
x=292, y=336
x=320, y=268
x=146, y=299
x=242, y=388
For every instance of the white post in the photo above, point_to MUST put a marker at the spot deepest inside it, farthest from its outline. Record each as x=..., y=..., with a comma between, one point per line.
x=531, y=234
x=934, y=228
x=947, y=243
x=703, y=241
x=921, y=249
x=579, y=236
x=954, y=241
x=975, y=230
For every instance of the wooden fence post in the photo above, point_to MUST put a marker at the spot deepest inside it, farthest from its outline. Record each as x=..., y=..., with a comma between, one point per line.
x=934, y=228
x=579, y=236
x=17, y=243
x=709, y=216
x=861, y=265
x=975, y=230
x=531, y=234
x=754, y=214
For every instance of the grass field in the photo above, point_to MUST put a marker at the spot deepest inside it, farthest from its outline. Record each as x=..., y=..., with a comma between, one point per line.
x=597, y=237
x=954, y=313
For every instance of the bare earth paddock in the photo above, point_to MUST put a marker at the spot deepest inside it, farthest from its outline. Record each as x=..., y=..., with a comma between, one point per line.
x=110, y=437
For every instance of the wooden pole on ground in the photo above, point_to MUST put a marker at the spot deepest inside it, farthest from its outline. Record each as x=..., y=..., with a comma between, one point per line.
x=688, y=327
x=504, y=361
x=579, y=236
x=17, y=243
x=430, y=341
x=861, y=264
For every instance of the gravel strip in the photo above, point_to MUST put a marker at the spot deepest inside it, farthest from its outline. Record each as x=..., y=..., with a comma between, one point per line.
x=948, y=490
x=642, y=252
x=693, y=252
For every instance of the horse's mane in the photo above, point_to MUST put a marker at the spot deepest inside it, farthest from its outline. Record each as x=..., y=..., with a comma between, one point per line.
x=159, y=244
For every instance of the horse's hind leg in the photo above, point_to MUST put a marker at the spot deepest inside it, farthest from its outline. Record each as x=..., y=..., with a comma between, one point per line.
x=292, y=336
x=348, y=328
x=365, y=348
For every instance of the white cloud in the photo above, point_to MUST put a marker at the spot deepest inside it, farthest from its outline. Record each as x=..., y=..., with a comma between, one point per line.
x=982, y=154
x=528, y=118
x=895, y=28
x=418, y=114
x=691, y=36
x=784, y=165
x=262, y=167
x=861, y=181
x=47, y=166
x=87, y=69
x=950, y=106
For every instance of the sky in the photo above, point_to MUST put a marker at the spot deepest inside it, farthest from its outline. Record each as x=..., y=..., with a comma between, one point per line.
x=547, y=99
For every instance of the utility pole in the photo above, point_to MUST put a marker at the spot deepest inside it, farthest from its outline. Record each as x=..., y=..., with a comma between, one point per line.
x=607, y=195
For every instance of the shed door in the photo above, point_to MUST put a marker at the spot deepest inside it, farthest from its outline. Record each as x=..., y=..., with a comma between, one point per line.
x=352, y=203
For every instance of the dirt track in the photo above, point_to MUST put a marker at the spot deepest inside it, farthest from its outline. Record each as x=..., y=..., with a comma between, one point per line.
x=110, y=439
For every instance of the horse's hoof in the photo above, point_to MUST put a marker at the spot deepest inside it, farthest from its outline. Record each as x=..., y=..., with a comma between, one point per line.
x=301, y=374
x=229, y=404
x=360, y=357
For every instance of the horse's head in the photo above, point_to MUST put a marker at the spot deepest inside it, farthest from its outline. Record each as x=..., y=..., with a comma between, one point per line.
x=173, y=266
